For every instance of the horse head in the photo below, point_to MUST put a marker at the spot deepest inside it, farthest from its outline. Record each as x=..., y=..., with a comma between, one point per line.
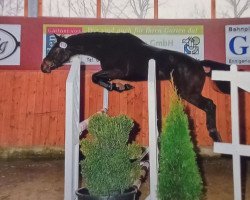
x=59, y=54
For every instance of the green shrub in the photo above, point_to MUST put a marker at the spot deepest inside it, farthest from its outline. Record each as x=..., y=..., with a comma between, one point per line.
x=107, y=166
x=179, y=177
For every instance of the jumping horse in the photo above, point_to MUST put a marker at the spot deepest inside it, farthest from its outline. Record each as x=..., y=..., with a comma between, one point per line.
x=124, y=56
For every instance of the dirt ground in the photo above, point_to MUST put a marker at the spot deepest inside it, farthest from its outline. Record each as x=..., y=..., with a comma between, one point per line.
x=44, y=179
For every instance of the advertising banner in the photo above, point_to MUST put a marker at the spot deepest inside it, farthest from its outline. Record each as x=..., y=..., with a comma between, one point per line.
x=10, y=36
x=49, y=38
x=186, y=39
x=238, y=44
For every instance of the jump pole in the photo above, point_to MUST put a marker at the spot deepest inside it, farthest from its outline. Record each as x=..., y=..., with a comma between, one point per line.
x=153, y=130
x=73, y=129
x=72, y=119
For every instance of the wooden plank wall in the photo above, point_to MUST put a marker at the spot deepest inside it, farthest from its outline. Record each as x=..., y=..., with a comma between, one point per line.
x=134, y=104
x=32, y=108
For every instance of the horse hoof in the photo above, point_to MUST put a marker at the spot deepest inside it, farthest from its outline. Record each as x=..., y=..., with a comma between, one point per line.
x=215, y=136
x=128, y=87
x=120, y=87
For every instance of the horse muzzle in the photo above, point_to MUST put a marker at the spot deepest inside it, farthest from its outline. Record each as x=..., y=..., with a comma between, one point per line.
x=46, y=66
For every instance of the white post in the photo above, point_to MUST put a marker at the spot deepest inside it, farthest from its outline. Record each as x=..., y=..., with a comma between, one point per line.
x=242, y=80
x=153, y=130
x=72, y=131
x=73, y=127
x=235, y=136
x=105, y=99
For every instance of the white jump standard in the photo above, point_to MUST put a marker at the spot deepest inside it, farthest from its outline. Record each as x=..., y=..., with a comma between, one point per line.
x=241, y=80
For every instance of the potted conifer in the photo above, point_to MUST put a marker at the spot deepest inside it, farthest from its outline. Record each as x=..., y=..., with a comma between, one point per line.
x=179, y=176
x=110, y=166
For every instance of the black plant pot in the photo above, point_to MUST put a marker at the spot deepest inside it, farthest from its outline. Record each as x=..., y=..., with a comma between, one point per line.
x=83, y=194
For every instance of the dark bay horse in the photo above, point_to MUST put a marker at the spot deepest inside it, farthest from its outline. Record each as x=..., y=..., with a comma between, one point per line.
x=124, y=56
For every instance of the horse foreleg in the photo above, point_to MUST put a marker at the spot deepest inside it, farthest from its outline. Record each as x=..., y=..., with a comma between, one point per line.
x=104, y=77
x=209, y=107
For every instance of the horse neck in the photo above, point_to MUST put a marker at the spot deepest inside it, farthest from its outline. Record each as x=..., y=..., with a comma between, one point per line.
x=83, y=44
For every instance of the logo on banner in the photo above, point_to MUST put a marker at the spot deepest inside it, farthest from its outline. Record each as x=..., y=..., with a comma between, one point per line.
x=240, y=50
x=8, y=44
x=191, y=45
x=238, y=44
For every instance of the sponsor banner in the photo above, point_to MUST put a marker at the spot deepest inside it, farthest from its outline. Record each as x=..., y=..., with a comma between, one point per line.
x=10, y=36
x=186, y=39
x=238, y=44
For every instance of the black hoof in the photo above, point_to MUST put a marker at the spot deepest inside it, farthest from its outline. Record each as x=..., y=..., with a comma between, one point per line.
x=122, y=88
x=111, y=87
x=128, y=87
x=215, y=136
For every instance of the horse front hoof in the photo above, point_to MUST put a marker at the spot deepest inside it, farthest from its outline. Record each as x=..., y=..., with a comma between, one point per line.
x=120, y=87
x=128, y=87
x=215, y=136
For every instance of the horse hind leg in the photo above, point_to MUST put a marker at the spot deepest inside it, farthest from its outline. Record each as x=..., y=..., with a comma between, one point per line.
x=209, y=107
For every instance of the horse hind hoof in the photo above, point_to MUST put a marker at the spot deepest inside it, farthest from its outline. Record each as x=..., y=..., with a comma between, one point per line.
x=215, y=136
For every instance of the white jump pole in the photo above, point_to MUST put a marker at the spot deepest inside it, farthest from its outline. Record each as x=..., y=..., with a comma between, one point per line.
x=242, y=80
x=153, y=130
x=73, y=128
x=105, y=99
x=71, y=173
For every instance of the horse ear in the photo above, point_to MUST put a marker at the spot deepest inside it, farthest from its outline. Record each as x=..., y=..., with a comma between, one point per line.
x=58, y=38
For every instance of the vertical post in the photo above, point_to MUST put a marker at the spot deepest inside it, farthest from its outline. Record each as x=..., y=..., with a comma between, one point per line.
x=153, y=130
x=40, y=8
x=235, y=136
x=105, y=99
x=25, y=8
x=98, y=9
x=213, y=9
x=32, y=8
x=72, y=131
x=156, y=9
x=71, y=171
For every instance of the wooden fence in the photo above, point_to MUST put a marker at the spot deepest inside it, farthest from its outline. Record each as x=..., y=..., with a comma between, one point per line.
x=32, y=108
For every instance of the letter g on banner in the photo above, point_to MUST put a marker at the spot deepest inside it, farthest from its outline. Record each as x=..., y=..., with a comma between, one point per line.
x=241, y=50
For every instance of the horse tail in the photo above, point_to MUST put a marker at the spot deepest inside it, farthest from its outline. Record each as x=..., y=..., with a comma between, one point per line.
x=209, y=65
x=215, y=65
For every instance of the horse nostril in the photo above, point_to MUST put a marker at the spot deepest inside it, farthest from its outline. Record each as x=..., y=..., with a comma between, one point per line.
x=45, y=68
